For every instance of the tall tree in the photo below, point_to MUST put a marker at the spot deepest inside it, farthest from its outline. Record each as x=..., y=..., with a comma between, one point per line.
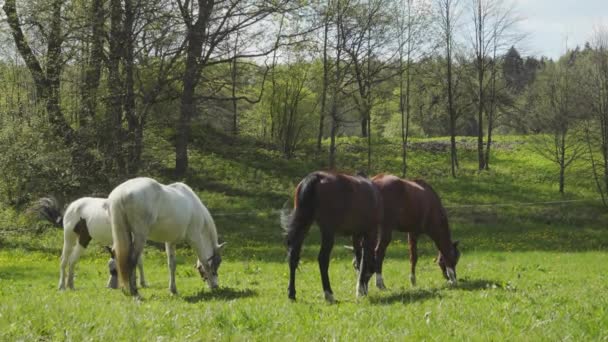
x=47, y=78
x=493, y=21
x=448, y=15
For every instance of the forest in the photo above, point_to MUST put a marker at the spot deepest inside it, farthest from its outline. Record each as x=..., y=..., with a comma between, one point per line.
x=88, y=85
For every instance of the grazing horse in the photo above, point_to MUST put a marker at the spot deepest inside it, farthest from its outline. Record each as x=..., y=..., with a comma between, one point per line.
x=142, y=209
x=84, y=220
x=338, y=203
x=414, y=207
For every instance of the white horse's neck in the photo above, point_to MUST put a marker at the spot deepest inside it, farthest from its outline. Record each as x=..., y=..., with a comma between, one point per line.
x=209, y=233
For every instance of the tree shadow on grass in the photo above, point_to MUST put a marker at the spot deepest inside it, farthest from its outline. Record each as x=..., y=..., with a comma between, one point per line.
x=223, y=293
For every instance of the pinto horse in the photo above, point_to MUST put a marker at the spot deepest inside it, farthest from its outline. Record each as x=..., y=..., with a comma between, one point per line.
x=338, y=203
x=142, y=209
x=84, y=220
x=415, y=208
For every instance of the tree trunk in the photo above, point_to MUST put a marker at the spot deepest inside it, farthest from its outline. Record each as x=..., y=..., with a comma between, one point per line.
x=480, y=79
x=135, y=129
x=114, y=108
x=235, y=122
x=195, y=38
x=47, y=84
x=93, y=67
x=325, y=83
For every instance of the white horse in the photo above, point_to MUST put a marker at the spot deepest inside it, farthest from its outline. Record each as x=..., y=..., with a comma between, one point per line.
x=142, y=209
x=84, y=220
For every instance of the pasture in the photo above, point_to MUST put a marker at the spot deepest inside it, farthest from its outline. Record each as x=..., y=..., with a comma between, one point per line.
x=527, y=271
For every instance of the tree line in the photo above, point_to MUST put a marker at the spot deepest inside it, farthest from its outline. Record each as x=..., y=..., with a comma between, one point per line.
x=84, y=82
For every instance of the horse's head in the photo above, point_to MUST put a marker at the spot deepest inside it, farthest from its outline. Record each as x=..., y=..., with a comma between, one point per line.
x=208, y=268
x=441, y=261
x=113, y=281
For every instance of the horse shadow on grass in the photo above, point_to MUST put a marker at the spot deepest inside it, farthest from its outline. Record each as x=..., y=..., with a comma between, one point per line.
x=223, y=293
x=408, y=296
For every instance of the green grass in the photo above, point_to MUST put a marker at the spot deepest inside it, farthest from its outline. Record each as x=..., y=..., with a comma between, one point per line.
x=533, y=272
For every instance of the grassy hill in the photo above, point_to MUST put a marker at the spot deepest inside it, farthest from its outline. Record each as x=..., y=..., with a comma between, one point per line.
x=530, y=269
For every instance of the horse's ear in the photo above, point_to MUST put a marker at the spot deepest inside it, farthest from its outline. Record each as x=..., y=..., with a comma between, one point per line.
x=455, y=243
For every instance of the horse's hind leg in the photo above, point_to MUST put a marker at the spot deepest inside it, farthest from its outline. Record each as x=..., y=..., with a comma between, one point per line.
x=72, y=264
x=327, y=243
x=137, y=248
x=170, y=249
x=295, y=238
x=367, y=267
x=140, y=267
x=385, y=239
x=412, y=239
x=69, y=240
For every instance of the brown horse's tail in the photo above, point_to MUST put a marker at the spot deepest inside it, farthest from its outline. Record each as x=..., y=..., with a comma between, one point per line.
x=296, y=223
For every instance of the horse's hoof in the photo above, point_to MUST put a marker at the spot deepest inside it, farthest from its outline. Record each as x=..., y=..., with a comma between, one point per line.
x=143, y=284
x=361, y=290
x=329, y=297
x=413, y=280
x=380, y=282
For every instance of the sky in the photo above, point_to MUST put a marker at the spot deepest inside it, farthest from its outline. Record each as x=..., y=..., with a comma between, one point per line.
x=553, y=25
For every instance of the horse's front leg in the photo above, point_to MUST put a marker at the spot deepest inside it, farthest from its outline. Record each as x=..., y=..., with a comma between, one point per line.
x=412, y=239
x=366, y=269
x=170, y=248
x=327, y=243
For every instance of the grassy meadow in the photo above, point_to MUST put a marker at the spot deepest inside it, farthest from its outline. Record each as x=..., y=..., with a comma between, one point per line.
x=528, y=271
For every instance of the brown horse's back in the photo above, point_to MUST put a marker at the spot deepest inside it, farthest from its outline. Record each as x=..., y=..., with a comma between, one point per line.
x=410, y=206
x=349, y=204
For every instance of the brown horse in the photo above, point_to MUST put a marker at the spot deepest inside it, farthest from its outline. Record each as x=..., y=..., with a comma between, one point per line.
x=338, y=203
x=415, y=208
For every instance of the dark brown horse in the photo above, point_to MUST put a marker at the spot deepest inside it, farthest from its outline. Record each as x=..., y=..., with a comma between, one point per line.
x=415, y=208
x=338, y=203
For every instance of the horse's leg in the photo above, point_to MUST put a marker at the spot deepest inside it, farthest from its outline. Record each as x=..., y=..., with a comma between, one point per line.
x=412, y=239
x=170, y=248
x=137, y=247
x=73, y=259
x=357, y=251
x=69, y=240
x=140, y=266
x=327, y=243
x=294, y=247
x=385, y=239
x=367, y=266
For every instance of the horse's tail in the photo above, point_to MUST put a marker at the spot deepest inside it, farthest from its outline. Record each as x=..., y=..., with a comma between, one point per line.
x=296, y=222
x=48, y=208
x=121, y=234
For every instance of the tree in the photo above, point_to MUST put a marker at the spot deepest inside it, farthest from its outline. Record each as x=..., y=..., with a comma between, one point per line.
x=596, y=91
x=209, y=23
x=448, y=15
x=493, y=22
x=558, y=107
